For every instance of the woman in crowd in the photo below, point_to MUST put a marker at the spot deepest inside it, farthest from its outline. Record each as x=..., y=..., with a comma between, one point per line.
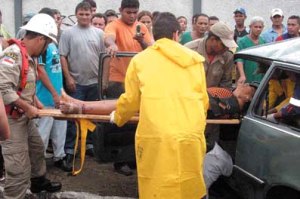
x=146, y=18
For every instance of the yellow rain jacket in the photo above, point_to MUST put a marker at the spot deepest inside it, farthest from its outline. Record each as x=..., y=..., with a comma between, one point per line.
x=166, y=84
x=278, y=88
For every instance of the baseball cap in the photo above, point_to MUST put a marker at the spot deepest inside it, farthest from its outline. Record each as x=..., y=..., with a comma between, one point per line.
x=223, y=31
x=240, y=10
x=276, y=11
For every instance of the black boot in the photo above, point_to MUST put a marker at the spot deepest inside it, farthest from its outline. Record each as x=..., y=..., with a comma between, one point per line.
x=65, y=164
x=69, y=161
x=40, y=184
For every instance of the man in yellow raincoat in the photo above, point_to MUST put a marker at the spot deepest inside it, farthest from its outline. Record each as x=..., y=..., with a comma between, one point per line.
x=166, y=84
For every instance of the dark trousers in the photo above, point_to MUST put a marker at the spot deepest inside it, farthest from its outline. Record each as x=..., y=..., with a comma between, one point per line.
x=125, y=138
x=85, y=93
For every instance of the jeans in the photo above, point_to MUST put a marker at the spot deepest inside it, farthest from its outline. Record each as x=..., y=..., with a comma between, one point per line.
x=85, y=93
x=56, y=130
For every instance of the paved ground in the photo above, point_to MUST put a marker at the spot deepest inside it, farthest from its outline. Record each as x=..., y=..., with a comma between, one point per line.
x=99, y=181
x=95, y=181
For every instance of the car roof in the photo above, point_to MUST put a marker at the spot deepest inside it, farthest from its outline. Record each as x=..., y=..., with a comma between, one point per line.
x=283, y=51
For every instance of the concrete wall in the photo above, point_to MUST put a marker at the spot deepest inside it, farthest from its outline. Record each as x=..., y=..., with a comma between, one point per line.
x=224, y=8
x=67, y=7
x=221, y=8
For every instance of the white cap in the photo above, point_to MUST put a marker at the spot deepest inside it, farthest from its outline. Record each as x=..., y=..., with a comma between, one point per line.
x=43, y=24
x=276, y=11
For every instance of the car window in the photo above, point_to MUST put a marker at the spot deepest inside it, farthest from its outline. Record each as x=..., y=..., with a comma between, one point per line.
x=279, y=101
x=112, y=68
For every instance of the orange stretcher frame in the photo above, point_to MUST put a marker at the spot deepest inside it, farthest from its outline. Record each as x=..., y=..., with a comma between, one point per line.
x=56, y=113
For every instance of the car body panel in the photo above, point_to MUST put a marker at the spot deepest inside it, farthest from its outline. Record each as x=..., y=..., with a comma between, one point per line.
x=267, y=152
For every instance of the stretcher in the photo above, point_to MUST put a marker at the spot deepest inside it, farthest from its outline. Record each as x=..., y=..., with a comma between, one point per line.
x=56, y=113
x=84, y=123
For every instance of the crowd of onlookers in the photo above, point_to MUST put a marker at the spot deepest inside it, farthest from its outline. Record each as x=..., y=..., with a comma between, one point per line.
x=72, y=63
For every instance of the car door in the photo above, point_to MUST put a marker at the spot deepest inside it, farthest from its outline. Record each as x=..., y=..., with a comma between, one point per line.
x=111, y=143
x=268, y=152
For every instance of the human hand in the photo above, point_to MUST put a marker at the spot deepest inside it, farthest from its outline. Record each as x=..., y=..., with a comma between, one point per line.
x=31, y=112
x=273, y=110
x=139, y=37
x=112, y=50
x=242, y=79
x=70, y=83
x=70, y=107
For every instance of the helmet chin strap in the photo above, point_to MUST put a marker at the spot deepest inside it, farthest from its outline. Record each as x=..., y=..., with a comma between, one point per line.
x=44, y=47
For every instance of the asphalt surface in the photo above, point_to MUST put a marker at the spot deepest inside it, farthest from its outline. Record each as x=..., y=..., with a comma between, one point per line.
x=96, y=181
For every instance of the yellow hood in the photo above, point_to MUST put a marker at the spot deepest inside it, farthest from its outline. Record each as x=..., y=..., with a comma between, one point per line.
x=174, y=51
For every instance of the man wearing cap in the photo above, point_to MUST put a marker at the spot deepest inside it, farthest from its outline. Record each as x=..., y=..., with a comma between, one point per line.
x=218, y=60
x=23, y=152
x=240, y=28
x=277, y=28
x=218, y=65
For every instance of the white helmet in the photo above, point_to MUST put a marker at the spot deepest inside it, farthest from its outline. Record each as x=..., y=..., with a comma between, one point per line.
x=43, y=24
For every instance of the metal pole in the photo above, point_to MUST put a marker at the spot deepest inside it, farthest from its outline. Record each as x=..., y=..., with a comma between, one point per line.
x=197, y=6
x=18, y=14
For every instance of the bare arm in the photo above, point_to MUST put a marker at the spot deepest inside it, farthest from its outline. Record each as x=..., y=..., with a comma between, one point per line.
x=47, y=83
x=111, y=46
x=69, y=79
x=240, y=67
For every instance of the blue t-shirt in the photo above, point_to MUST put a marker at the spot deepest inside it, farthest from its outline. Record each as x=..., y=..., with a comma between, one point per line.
x=270, y=35
x=53, y=69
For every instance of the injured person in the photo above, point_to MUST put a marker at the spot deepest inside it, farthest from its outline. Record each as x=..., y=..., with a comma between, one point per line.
x=224, y=104
x=227, y=104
